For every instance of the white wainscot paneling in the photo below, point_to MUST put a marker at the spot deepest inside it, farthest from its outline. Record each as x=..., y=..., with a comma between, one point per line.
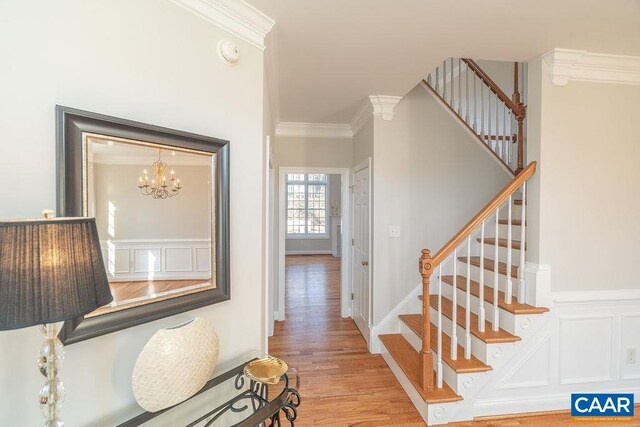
x=178, y=259
x=532, y=370
x=121, y=259
x=174, y=259
x=203, y=259
x=586, y=346
x=147, y=260
x=630, y=340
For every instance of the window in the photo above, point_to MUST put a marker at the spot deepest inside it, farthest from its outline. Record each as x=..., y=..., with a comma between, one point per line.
x=306, y=204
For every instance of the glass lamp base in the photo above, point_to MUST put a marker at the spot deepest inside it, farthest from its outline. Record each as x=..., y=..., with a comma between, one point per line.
x=52, y=393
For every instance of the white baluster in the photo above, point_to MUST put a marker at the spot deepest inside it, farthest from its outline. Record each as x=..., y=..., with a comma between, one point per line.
x=481, y=313
x=496, y=285
x=429, y=80
x=489, y=118
x=452, y=86
x=522, y=288
x=444, y=80
x=509, y=283
x=475, y=102
x=504, y=133
x=460, y=87
x=454, y=312
x=439, y=370
x=438, y=79
x=482, y=133
x=467, y=319
x=466, y=90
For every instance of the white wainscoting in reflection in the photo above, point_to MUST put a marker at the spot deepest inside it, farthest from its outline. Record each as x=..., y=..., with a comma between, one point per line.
x=137, y=259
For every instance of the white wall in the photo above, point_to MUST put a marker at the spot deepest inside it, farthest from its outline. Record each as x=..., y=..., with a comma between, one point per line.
x=363, y=143
x=149, y=61
x=584, y=199
x=430, y=178
x=135, y=216
x=313, y=152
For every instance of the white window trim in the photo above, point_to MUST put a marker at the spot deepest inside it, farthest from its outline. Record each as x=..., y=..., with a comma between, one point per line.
x=307, y=236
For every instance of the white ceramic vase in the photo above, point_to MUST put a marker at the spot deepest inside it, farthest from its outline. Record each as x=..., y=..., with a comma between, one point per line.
x=175, y=364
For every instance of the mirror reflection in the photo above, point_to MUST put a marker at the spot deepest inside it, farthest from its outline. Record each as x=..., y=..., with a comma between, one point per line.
x=154, y=209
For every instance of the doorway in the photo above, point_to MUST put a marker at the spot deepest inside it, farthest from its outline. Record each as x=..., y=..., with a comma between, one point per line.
x=299, y=194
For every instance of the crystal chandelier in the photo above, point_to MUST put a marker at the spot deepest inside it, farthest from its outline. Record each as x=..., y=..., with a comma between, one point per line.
x=159, y=187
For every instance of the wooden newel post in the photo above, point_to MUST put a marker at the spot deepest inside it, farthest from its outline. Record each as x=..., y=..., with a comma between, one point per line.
x=520, y=113
x=426, y=269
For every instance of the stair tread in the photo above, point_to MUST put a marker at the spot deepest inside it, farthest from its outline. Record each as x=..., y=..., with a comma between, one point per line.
x=490, y=265
x=514, y=222
x=460, y=365
x=409, y=361
x=515, y=244
x=515, y=307
x=489, y=336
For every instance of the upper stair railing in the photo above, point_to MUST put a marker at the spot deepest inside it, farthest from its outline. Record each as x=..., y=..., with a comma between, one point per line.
x=448, y=257
x=491, y=115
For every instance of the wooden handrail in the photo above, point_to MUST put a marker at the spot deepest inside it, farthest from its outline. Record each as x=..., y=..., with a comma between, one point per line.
x=491, y=84
x=503, y=195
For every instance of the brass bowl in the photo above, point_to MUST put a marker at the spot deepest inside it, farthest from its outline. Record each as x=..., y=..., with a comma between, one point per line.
x=267, y=370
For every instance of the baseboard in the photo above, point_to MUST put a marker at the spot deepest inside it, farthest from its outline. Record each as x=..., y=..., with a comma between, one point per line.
x=535, y=404
x=323, y=252
x=277, y=316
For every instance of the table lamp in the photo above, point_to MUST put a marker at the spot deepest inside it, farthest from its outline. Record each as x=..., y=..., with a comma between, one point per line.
x=51, y=270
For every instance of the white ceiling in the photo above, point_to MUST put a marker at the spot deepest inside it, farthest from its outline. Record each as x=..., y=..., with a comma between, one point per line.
x=332, y=54
x=113, y=152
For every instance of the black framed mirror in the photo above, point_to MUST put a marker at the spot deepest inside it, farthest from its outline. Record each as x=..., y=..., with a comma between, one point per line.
x=161, y=202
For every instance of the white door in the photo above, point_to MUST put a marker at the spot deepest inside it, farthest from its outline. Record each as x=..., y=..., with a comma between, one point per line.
x=361, y=249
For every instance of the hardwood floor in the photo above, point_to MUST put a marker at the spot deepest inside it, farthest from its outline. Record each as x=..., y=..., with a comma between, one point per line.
x=341, y=383
x=134, y=293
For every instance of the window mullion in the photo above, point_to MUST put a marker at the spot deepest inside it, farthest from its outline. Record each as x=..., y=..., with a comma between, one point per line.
x=306, y=204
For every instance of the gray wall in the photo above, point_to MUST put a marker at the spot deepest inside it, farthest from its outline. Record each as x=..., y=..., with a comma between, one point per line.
x=430, y=178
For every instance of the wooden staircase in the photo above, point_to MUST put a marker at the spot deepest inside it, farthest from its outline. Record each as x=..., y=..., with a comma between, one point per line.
x=476, y=301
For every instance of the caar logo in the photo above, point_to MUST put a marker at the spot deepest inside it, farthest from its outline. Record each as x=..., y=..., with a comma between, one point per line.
x=602, y=405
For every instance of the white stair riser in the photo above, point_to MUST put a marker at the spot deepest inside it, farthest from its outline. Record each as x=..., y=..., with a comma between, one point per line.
x=505, y=318
x=458, y=382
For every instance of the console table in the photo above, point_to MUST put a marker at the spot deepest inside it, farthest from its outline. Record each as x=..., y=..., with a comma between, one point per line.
x=231, y=399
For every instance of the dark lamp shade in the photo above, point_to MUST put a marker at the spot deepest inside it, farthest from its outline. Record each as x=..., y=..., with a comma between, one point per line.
x=50, y=270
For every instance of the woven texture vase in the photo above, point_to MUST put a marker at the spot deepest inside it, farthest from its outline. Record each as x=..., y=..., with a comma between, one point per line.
x=175, y=364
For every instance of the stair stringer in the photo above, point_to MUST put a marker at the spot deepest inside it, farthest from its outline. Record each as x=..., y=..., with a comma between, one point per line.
x=391, y=323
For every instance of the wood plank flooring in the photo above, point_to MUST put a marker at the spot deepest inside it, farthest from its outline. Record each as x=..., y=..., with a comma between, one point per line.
x=341, y=383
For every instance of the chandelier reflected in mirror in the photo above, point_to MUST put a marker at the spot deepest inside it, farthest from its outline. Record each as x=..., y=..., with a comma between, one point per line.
x=159, y=188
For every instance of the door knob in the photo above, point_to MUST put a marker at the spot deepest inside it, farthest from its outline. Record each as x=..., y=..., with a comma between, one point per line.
x=365, y=263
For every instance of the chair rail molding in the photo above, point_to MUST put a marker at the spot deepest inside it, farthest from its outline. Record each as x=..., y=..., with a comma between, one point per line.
x=384, y=106
x=314, y=130
x=237, y=17
x=580, y=65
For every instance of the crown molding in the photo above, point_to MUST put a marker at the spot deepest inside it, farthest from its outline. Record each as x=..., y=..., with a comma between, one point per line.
x=384, y=106
x=362, y=116
x=580, y=65
x=237, y=17
x=314, y=130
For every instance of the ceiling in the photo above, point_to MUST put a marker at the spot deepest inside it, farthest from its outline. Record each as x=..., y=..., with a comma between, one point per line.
x=332, y=54
x=113, y=152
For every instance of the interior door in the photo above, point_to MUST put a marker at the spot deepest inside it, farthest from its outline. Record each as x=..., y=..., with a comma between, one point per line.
x=360, y=305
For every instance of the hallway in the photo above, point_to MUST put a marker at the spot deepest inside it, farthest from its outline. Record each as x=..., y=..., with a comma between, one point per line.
x=341, y=383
